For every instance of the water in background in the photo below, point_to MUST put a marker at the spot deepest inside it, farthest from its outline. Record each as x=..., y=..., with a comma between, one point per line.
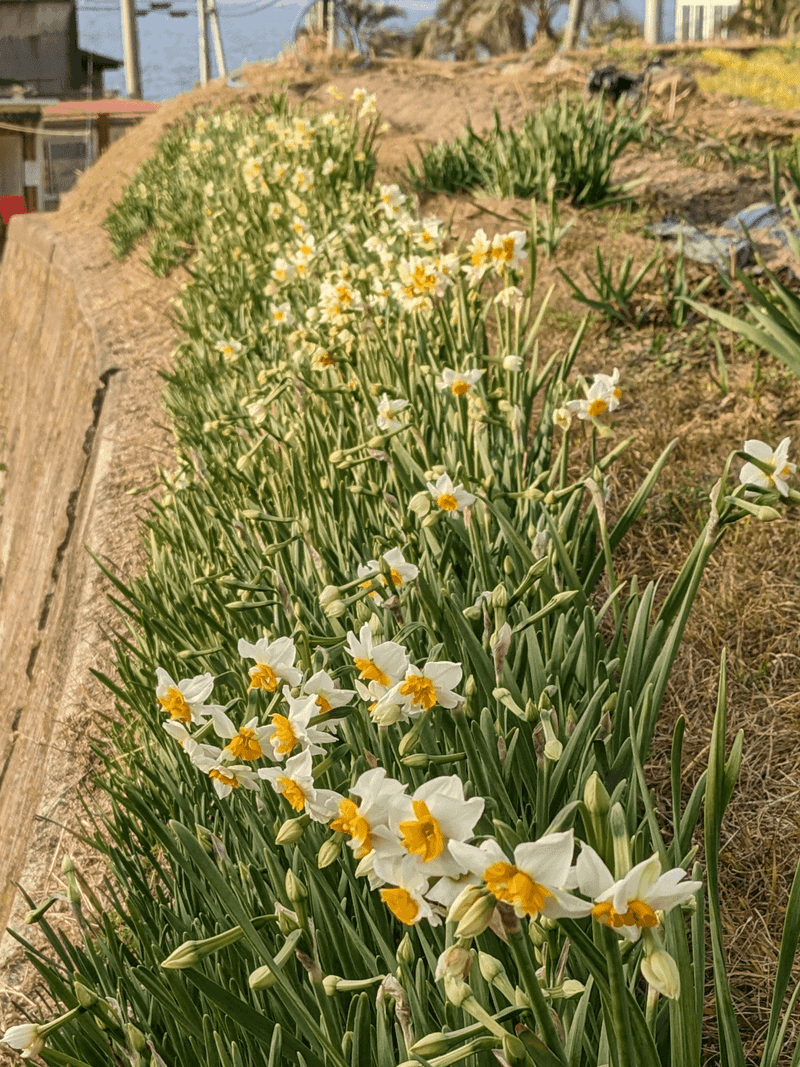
x=168, y=47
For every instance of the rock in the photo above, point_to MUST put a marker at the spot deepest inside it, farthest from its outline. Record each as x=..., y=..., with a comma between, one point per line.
x=559, y=65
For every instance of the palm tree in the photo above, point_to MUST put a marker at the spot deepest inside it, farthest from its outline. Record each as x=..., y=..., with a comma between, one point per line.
x=461, y=27
x=365, y=18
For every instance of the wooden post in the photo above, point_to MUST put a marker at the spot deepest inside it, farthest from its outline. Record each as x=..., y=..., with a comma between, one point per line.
x=205, y=59
x=573, y=28
x=30, y=188
x=652, y=21
x=214, y=18
x=103, y=132
x=130, y=42
x=330, y=6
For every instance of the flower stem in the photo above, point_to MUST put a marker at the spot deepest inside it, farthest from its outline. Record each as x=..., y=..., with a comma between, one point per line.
x=520, y=948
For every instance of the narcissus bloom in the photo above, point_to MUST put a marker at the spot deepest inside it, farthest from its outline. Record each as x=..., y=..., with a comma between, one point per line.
x=326, y=693
x=385, y=663
x=184, y=700
x=450, y=497
x=507, y=251
x=778, y=460
x=274, y=663
x=226, y=776
x=535, y=882
x=430, y=821
x=295, y=782
x=405, y=897
x=25, y=1038
x=387, y=409
x=603, y=395
x=629, y=905
x=424, y=687
x=246, y=743
x=400, y=571
x=459, y=382
x=286, y=732
x=366, y=822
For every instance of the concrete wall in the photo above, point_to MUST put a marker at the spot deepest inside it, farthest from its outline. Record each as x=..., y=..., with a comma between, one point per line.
x=51, y=400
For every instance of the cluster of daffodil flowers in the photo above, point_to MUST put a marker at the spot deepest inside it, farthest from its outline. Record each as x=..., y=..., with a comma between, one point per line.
x=414, y=739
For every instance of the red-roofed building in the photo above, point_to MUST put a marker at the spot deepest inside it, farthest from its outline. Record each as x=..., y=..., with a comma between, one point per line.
x=54, y=118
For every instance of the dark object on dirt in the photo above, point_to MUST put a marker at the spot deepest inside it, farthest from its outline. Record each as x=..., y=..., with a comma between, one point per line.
x=614, y=83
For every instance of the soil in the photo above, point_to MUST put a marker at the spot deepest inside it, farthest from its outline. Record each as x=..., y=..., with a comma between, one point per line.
x=674, y=387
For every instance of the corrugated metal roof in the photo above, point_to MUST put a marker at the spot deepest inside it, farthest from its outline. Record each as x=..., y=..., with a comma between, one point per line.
x=34, y=19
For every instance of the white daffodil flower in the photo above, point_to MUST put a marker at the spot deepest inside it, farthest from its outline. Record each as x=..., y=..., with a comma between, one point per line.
x=405, y=897
x=424, y=687
x=535, y=882
x=191, y=747
x=246, y=743
x=512, y=363
x=449, y=497
x=630, y=904
x=274, y=663
x=286, y=732
x=480, y=257
x=428, y=822
x=603, y=395
x=184, y=700
x=295, y=781
x=326, y=693
x=401, y=572
x=382, y=712
x=226, y=777
x=387, y=409
x=25, y=1038
x=507, y=251
x=385, y=663
x=459, y=382
x=778, y=460
x=366, y=823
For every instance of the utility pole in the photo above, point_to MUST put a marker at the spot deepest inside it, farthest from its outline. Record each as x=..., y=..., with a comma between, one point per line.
x=573, y=28
x=214, y=17
x=652, y=21
x=330, y=13
x=130, y=41
x=205, y=59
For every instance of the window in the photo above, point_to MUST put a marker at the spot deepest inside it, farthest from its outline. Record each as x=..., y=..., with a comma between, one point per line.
x=698, y=28
x=685, y=11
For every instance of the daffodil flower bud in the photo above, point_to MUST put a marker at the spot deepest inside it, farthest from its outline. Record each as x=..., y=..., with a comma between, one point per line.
x=477, y=917
x=435, y=1044
x=295, y=890
x=456, y=990
x=405, y=953
x=136, y=1039
x=86, y=997
x=68, y=870
x=330, y=851
x=514, y=1051
x=328, y=595
x=420, y=504
x=431, y=520
x=335, y=609
x=292, y=830
x=35, y=915
x=595, y=796
x=330, y=984
x=660, y=971
x=454, y=962
x=499, y=597
x=495, y=974
x=264, y=977
x=464, y=901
